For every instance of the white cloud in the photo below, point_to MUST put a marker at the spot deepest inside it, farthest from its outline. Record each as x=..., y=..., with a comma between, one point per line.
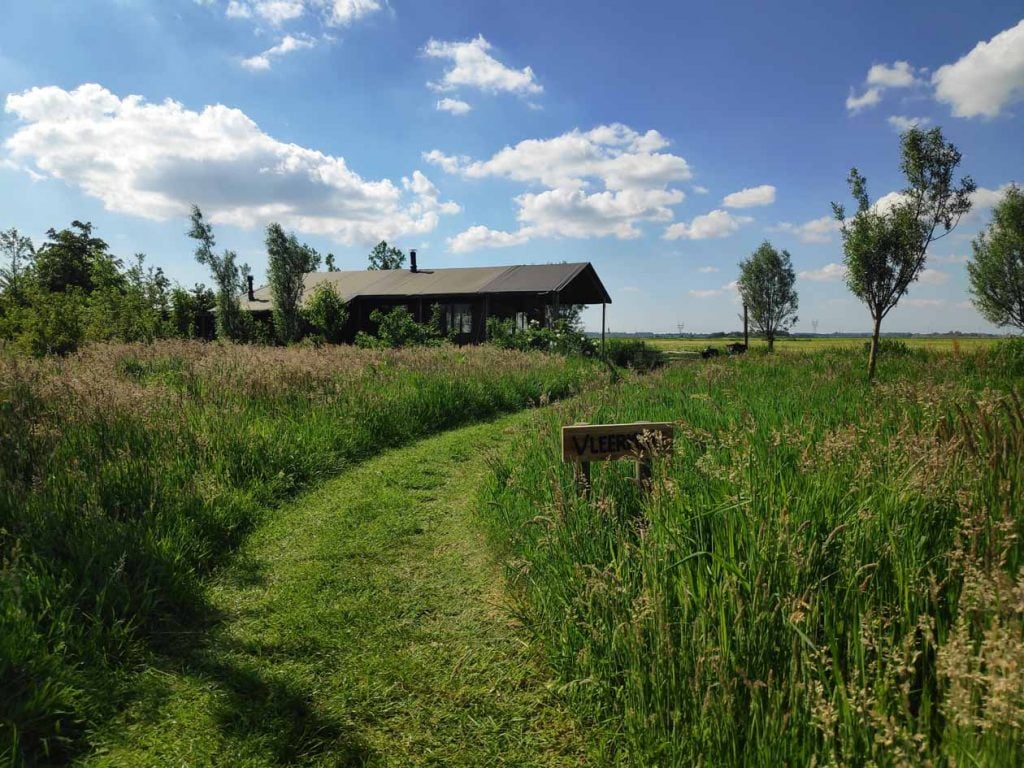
x=344, y=12
x=706, y=294
x=983, y=197
x=707, y=270
x=750, y=197
x=830, y=273
x=950, y=259
x=479, y=236
x=903, y=123
x=288, y=44
x=987, y=79
x=933, y=277
x=869, y=98
x=472, y=66
x=153, y=160
x=455, y=106
x=717, y=223
x=899, y=75
x=334, y=13
x=701, y=190
x=925, y=303
x=881, y=77
x=818, y=230
x=634, y=175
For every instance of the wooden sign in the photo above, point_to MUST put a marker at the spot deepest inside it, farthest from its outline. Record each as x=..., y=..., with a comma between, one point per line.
x=604, y=442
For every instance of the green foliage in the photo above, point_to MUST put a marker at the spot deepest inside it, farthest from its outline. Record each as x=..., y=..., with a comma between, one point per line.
x=53, y=323
x=288, y=261
x=129, y=472
x=73, y=258
x=384, y=256
x=1008, y=355
x=634, y=354
x=18, y=253
x=822, y=574
x=398, y=328
x=563, y=339
x=192, y=314
x=997, y=269
x=885, y=247
x=228, y=276
x=327, y=312
x=766, y=285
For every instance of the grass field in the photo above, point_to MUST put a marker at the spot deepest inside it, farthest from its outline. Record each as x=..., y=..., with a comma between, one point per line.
x=818, y=343
x=825, y=573
x=129, y=473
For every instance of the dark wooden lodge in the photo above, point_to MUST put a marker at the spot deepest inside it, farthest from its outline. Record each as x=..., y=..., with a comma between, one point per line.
x=468, y=296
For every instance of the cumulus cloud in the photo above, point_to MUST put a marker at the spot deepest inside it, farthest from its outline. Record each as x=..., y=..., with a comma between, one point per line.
x=335, y=13
x=700, y=190
x=473, y=66
x=628, y=165
x=903, y=123
x=153, y=160
x=830, y=273
x=717, y=223
x=750, y=197
x=881, y=77
x=987, y=79
x=288, y=44
x=818, y=230
x=899, y=75
x=454, y=106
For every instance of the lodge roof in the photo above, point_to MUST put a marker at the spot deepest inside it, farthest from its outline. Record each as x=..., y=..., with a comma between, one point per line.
x=579, y=281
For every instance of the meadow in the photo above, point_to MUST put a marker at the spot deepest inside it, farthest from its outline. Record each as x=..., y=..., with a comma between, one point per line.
x=130, y=473
x=952, y=344
x=825, y=572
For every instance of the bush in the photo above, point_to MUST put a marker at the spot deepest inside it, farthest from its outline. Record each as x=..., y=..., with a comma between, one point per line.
x=327, y=312
x=1008, y=355
x=398, y=328
x=563, y=339
x=633, y=354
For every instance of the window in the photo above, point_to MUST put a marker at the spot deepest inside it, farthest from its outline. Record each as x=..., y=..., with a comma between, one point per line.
x=521, y=321
x=459, y=318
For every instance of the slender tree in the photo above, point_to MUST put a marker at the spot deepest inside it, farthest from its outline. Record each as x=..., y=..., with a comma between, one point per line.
x=885, y=246
x=288, y=262
x=18, y=252
x=766, y=285
x=997, y=268
x=229, y=277
x=384, y=256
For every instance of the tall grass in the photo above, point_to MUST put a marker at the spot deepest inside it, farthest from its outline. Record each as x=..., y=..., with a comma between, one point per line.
x=128, y=472
x=825, y=572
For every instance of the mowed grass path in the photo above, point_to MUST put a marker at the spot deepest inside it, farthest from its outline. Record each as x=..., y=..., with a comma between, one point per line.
x=363, y=624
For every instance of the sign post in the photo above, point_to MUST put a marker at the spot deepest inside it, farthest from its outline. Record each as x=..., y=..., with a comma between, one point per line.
x=584, y=443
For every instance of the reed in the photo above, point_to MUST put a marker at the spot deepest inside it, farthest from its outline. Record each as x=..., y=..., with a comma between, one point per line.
x=825, y=572
x=129, y=472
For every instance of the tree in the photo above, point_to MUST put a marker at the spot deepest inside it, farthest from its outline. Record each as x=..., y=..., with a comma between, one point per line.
x=18, y=253
x=766, y=286
x=74, y=258
x=192, y=311
x=329, y=263
x=327, y=312
x=885, y=246
x=229, y=277
x=997, y=268
x=288, y=262
x=384, y=257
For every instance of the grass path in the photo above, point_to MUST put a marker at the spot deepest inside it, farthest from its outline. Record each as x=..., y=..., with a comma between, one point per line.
x=363, y=624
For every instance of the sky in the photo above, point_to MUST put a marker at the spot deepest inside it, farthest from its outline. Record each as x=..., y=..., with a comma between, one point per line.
x=661, y=141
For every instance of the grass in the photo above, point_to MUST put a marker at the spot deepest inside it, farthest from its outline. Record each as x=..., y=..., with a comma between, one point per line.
x=825, y=572
x=363, y=624
x=130, y=473
x=953, y=344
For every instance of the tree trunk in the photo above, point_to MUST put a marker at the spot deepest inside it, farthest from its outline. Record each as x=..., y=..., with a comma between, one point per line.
x=873, y=356
x=771, y=342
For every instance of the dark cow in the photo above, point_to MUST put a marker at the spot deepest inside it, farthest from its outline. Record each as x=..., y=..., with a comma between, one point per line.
x=709, y=352
x=736, y=348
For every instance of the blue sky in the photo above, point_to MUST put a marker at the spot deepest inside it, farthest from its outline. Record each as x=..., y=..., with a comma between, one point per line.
x=662, y=141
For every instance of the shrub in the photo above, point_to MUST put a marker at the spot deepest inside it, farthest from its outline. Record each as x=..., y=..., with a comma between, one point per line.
x=563, y=339
x=398, y=328
x=327, y=313
x=633, y=354
x=1008, y=354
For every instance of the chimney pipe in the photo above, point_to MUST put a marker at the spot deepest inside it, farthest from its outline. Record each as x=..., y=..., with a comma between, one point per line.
x=252, y=296
x=412, y=261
